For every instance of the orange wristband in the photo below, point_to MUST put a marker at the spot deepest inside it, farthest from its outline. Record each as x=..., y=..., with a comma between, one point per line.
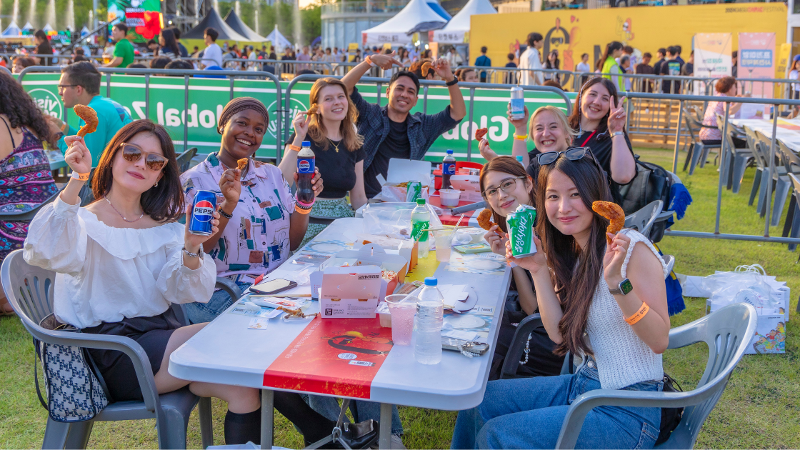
x=302, y=210
x=294, y=148
x=638, y=315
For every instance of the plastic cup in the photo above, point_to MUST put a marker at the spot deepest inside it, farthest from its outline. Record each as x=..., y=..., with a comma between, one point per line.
x=449, y=197
x=444, y=239
x=402, y=309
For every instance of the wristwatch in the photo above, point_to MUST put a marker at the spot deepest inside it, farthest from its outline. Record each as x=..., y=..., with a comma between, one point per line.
x=625, y=287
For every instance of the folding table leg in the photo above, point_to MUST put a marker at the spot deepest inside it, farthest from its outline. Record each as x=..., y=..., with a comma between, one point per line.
x=385, y=432
x=267, y=417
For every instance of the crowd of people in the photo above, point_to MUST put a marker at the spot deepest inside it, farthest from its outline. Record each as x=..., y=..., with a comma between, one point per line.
x=577, y=280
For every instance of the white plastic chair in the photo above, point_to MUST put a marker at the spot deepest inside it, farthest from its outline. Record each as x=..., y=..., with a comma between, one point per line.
x=29, y=290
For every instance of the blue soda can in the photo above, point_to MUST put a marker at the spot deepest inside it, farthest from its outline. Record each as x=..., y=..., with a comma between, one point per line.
x=205, y=203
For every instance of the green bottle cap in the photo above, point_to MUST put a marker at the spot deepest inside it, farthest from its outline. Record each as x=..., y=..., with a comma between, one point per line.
x=421, y=201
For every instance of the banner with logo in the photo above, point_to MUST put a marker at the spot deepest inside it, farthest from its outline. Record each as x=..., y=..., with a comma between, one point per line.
x=782, y=65
x=143, y=17
x=757, y=60
x=712, y=55
x=332, y=356
x=207, y=98
x=578, y=31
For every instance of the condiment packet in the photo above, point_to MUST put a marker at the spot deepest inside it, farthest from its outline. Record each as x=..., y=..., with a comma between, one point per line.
x=258, y=323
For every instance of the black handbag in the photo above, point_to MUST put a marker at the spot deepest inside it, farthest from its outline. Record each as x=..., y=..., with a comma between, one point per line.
x=670, y=417
x=652, y=182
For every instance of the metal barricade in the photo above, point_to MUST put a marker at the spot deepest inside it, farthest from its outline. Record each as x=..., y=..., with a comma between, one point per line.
x=232, y=75
x=726, y=153
x=425, y=84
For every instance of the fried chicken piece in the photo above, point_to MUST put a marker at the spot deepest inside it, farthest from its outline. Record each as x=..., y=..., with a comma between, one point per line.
x=426, y=67
x=89, y=116
x=485, y=219
x=480, y=133
x=615, y=215
x=242, y=163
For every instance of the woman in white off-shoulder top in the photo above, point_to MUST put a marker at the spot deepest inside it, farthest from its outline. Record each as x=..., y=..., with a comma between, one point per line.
x=603, y=300
x=122, y=261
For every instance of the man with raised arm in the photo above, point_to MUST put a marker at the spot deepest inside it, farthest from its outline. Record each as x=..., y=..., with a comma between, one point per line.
x=391, y=131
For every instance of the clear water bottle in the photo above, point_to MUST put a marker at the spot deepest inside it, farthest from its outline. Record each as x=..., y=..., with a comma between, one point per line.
x=448, y=169
x=421, y=220
x=517, y=103
x=428, y=323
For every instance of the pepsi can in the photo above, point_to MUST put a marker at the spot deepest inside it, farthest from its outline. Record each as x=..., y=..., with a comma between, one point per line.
x=205, y=203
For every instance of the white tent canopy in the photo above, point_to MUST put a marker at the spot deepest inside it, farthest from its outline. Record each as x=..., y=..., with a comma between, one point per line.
x=278, y=40
x=84, y=31
x=12, y=30
x=454, y=31
x=27, y=26
x=47, y=28
x=394, y=30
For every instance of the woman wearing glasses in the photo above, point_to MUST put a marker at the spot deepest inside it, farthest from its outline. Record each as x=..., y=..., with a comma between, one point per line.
x=604, y=302
x=123, y=260
x=505, y=185
x=599, y=118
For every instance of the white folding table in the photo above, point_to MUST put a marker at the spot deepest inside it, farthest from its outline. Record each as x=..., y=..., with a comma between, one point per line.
x=227, y=352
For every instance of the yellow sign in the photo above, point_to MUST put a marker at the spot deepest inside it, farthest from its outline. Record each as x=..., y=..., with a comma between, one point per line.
x=351, y=50
x=646, y=28
x=784, y=53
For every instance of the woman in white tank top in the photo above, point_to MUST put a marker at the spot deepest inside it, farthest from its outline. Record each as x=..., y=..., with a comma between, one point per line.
x=606, y=302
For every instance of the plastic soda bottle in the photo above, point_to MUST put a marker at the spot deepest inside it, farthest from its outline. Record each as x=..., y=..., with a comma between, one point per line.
x=421, y=220
x=517, y=103
x=428, y=323
x=305, y=172
x=519, y=159
x=448, y=169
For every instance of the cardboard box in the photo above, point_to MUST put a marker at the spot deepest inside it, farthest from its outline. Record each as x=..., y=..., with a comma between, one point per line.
x=350, y=292
x=402, y=171
x=375, y=255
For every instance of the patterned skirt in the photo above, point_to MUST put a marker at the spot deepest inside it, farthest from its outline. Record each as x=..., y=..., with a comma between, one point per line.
x=325, y=211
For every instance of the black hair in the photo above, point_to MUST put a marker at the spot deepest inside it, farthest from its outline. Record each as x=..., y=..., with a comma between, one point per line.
x=83, y=74
x=671, y=50
x=678, y=49
x=179, y=64
x=212, y=33
x=735, y=54
x=483, y=49
x=585, y=54
x=40, y=34
x=610, y=49
x=663, y=51
x=533, y=38
x=647, y=55
x=137, y=66
x=21, y=109
x=163, y=202
x=170, y=42
x=405, y=73
x=511, y=56
x=121, y=27
x=176, y=32
x=628, y=49
x=159, y=62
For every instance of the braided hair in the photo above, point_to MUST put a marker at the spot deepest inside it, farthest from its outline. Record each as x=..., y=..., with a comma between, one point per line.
x=21, y=109
x=240, y=104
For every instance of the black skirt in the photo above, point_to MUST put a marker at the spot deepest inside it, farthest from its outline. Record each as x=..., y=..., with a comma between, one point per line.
x=152, y=333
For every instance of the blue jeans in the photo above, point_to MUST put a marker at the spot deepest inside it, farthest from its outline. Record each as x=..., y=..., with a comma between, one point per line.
x=362, y=410
x=528, y=413
x=206, y=312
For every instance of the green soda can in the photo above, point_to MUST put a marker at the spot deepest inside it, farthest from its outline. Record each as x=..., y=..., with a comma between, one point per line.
x=413, y=191
x=520, y=231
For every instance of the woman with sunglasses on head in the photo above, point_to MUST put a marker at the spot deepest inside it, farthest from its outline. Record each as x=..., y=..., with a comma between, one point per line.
x=605, y=302
x=505, y=185
x=329, y=125
x=260, y=222
x=599, y=116
x=123, y=260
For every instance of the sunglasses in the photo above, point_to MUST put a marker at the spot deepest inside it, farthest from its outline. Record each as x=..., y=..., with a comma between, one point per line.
x=133, y=153
x=572, y=154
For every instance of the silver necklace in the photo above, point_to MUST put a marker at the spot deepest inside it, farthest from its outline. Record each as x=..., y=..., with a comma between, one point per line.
x=120, y=214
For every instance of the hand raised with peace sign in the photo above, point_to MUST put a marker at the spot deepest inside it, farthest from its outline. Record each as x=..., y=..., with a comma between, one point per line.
x=616, y=116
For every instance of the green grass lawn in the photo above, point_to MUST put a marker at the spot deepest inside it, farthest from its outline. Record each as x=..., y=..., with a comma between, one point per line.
x=759, y=409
